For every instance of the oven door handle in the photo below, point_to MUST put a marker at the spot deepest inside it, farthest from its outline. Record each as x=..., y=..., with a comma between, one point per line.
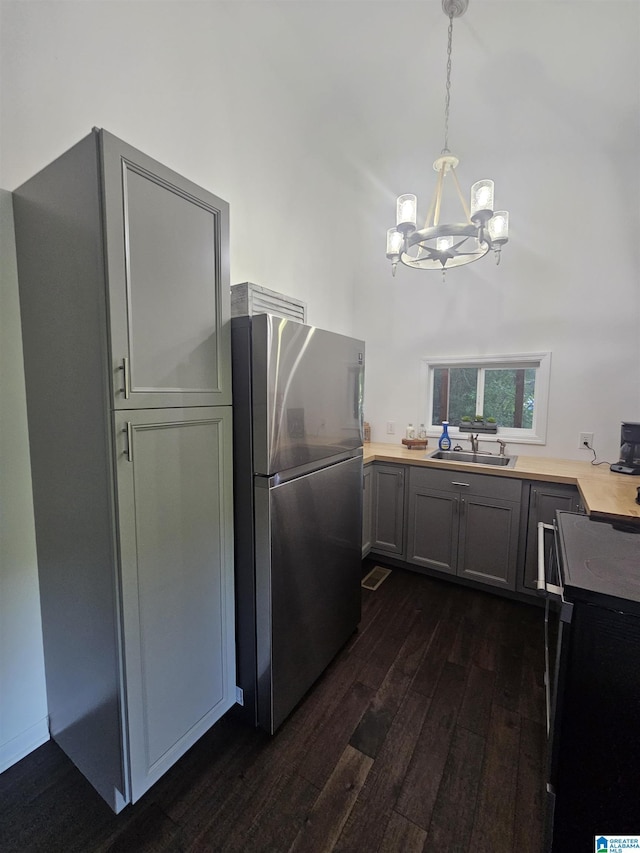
x=541, y=584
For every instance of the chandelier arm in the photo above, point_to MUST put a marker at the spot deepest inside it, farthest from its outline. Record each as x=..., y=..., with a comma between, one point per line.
x=429, y=219
x=465, y=206
x=436, y=215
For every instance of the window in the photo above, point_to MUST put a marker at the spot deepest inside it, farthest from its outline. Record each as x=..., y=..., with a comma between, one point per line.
x=511, y=389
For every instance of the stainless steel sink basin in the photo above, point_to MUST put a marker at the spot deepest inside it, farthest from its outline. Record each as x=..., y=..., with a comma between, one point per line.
x=467, y=456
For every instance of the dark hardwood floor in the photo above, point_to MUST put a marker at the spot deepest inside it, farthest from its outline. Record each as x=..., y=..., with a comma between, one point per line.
x=426, y=733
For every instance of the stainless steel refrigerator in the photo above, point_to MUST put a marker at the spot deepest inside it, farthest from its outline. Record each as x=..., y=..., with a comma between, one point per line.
x=297, y=397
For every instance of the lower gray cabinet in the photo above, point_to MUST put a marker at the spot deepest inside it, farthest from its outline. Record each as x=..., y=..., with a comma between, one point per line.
x=387, y=513
x=138, y=607
x=174, y=506
x=433, y=526
x=544, y=500
x=488, y=540
x=474, y=526
x=464, y=524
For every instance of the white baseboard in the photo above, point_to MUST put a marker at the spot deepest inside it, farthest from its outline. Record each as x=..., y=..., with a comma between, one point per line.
x=13, y=750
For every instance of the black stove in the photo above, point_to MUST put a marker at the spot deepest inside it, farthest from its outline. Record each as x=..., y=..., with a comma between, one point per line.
x=594, y=735
x=598, y=559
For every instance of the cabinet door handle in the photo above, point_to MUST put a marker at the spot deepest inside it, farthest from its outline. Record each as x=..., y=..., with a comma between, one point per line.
x=126, y=389
x=129, y=431
x=462, y=504
x=534, y=497
x=453, y=483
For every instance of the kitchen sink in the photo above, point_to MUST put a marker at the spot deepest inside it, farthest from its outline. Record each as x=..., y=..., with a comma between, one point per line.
x=468, y=456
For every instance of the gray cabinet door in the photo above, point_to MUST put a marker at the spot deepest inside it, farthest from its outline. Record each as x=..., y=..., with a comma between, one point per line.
x=544, y=500
x=464, y=524
x=174, y=479
x=432, y=529
x=388, y=509
x=367, y=507
x=488, y=540
x=168, y=284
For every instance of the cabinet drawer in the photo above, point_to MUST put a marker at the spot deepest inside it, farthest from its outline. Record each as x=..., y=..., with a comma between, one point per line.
x=506, y=488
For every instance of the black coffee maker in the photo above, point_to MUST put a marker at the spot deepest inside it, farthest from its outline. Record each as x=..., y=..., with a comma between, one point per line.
x=629, y=450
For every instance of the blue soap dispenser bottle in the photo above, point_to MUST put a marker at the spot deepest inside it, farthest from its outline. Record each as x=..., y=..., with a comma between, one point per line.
x=445, y=441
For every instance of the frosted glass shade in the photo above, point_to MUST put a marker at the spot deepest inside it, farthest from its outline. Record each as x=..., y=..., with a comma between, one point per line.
x=395, y=241
x=406, y=212
x=499, y=227
x=481, y=199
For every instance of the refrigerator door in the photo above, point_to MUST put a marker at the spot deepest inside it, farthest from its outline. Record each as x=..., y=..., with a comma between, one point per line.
x=307, y=393
x=308, y=544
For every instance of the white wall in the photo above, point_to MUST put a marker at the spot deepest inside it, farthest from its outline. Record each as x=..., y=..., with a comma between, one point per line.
x=23, y=703
x=198, y=87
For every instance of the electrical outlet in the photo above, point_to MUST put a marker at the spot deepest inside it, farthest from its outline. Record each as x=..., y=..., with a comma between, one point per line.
x=585, y=438
x=239, y=696
x=391, y=427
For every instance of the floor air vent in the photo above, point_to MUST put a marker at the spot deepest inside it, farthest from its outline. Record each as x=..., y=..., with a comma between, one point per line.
x=375, y=577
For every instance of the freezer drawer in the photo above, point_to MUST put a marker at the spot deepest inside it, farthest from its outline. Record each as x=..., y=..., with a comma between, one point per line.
x=308, y=543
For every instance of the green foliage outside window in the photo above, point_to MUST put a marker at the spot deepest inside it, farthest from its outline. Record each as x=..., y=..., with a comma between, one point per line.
x=509, y=395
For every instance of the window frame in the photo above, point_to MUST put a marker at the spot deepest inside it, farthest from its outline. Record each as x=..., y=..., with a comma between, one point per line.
x=541, y=361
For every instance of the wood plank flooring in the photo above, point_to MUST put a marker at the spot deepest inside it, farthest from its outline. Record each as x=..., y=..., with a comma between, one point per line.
x=425, y=733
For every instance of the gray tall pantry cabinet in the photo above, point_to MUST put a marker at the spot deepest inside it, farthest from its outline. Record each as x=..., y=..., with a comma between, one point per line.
x=124, y=295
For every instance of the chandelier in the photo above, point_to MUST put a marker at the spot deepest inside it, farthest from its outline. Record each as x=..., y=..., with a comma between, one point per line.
x=442, y=246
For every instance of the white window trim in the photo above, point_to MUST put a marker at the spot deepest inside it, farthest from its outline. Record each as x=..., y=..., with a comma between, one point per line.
x=540, y=360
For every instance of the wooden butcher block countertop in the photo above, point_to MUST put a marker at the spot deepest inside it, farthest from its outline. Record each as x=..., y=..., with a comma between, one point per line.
x=604, y=494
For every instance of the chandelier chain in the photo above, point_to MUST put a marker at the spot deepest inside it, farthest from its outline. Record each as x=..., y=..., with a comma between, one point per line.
x=447, y=100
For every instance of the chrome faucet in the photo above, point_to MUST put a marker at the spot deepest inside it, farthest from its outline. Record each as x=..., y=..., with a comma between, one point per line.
x=474, y=443
x=502, y=444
